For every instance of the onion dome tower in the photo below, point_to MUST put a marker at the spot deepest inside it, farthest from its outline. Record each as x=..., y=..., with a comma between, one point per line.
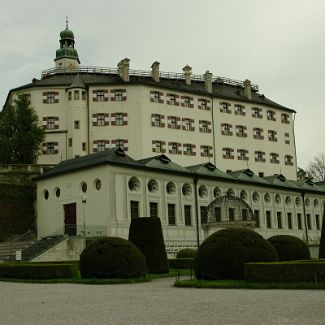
x=67, y=55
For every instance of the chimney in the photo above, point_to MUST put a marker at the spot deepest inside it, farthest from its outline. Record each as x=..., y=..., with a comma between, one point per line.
x=187, y=73
x=248, y=89
x=155, y=71
x=123, y=69
x=208, y=81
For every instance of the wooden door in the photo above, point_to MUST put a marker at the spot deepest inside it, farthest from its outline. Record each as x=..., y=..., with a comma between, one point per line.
x=70, y=219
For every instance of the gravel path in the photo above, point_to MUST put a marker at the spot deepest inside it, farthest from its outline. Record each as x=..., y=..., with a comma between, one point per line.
x=156, y=302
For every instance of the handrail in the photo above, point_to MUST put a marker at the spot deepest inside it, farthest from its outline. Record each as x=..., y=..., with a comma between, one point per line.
x=140, y=73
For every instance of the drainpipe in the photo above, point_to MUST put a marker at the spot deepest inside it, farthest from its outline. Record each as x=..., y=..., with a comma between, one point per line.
x=294, y=142
x=304, y=212
x=213, y=138
x=196, y=212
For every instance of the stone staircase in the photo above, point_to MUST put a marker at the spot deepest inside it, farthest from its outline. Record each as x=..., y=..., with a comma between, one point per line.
x=8, y=249
x=41, y=246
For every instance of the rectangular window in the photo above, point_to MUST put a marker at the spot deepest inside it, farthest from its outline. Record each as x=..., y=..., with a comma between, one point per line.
x=299, y=221
x=119, y=119
x=173, y=122
x=279, y=219
x=84, y=147
x=241, y=131
x=171, y=214
x=134, y=206
x=257, y=218
x=70, y=142
x=101, y=145
x=153, y=210
x=204, y=215
x=271, y=115
x=242, y=154
x=69, y=95
x=83, y=95
x=51, y=97
x=226, y=129
x=50, y=123
x=228, y=153
x=158, y=146
x=231, y=214
x=156, y=120
x=317, y=221
x=206, y=151
x=217, y=214
x=272, y=136
x=204, y=126
x=76, y=95
x=173, y=148
x=76, y=124
x=100, y=119
x=244, y=214
x=274, y=158
x=308, y=221
x=268, y=219
x=286, y=138
x=118, y=95
x=257, y=112
x=188, y=215
x=189, y=149
x=225, y=108
x=187, y=102
x=239, y=110
x=50, y=148
x=260, y=156
x=100, y=95
x=285, y=118
x=172, y=99
x=289, y=216
x=288, y=160
x=258, y=133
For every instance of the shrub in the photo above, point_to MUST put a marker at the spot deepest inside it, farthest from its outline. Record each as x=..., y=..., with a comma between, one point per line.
x=296, y=271
x=186, y=253
x=224, y=253
x=45, y=270
x=181, y=263
x=146, y=234
x=112, y=257
x=290, y=248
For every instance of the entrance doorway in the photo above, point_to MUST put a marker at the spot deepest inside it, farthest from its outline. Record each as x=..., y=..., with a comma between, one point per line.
x=70, y=219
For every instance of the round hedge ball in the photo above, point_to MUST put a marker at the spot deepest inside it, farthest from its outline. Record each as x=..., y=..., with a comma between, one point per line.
x=223, y=254
x=290, y=248
x=186, y=253
x=112, y=257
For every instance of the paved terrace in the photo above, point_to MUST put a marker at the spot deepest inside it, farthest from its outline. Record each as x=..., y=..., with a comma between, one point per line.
x=156, y=302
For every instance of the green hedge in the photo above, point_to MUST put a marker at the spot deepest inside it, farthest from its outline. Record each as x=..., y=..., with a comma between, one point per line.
x=181, y=263
x=147, y=235
x=290, y=248
x=38, y=270
x=295, y=271
x=186, y=253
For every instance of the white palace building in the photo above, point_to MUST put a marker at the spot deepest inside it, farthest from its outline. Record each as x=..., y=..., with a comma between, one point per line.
x=131, y=143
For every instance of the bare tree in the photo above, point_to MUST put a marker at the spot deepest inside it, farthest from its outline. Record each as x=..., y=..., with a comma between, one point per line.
x=316, y=168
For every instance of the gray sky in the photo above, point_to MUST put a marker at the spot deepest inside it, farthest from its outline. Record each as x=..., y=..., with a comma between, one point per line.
x=278, y=44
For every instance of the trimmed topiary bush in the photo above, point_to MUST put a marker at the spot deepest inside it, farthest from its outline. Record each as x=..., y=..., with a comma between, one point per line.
x=181, y=263
x=146, y=234
x=223, y=254
x=186, y=253
x=290, y=248
x=112, y=257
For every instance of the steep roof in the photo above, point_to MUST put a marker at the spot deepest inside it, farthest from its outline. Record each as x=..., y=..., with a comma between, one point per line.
x=208, y=169
x=248, y=175
x=219, y=89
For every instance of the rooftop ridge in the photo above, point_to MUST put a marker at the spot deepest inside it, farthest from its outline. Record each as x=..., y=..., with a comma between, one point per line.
x=141, y=73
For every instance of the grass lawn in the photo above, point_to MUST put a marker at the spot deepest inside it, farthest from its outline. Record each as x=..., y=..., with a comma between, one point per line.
x=243, y=284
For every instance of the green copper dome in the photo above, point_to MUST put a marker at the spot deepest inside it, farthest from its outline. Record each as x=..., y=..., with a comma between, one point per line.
x=67, y=34
x=67, y=49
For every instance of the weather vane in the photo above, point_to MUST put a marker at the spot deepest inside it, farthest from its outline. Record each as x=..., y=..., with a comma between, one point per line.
x=67, y=22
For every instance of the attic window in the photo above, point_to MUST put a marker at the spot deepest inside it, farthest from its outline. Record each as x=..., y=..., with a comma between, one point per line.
x=120, y=152
x=281, y=178
x=210, y=166
x=249, y=173
x=164, y=159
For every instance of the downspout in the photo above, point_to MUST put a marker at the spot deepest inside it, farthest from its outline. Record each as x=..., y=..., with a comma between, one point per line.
x=196, y=212
x=294, y=142
x=88, y=120
x=304, y=212
x=213, y=138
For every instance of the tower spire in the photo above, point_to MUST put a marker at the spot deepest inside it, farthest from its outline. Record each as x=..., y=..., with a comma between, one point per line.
x=67, y=22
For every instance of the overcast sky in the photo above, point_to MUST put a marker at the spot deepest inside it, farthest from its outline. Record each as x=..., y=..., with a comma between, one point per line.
x=278, y=44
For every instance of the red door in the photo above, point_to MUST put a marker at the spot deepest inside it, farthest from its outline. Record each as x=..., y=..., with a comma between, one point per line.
x=70, y=219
